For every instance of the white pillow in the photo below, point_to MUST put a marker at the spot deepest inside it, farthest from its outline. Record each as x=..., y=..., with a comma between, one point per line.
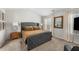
x=2, y=37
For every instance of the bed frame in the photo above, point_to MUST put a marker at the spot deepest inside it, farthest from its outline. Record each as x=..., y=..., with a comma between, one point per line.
x=36, y=40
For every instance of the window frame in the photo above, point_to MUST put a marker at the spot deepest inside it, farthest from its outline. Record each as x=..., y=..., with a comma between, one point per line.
x=2, y=21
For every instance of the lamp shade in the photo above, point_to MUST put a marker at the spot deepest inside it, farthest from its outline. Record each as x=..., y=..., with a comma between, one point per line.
x=15, y=24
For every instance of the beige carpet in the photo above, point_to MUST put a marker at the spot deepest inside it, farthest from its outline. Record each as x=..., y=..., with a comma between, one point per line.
x=13, y=45
x=53, y=45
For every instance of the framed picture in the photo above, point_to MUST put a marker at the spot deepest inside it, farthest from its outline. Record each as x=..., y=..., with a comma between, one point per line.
x=58, y=22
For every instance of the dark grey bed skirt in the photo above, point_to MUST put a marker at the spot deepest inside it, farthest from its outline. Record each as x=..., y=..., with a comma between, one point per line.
x=36, y=40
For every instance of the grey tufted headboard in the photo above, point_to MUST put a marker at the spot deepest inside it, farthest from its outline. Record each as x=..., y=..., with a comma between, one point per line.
x=29, y=24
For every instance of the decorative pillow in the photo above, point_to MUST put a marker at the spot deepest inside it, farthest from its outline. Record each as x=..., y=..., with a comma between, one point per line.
x=36, y=28
x=28, y=28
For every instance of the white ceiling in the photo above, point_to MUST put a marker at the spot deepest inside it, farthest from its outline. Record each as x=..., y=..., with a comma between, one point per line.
x=45, y=11
x=39, y=11
x=42, y=11
x=49, y=11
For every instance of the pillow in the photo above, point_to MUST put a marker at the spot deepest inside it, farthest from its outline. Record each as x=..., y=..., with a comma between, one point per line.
x=36, y=28
x=28, y=28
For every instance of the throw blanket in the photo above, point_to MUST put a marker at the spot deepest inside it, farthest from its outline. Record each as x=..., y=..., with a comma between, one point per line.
x=26, y=34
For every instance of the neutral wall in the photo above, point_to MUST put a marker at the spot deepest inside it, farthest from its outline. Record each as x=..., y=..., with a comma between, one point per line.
x=64, y=33
x=67, y=32
x=20, y=16
x=57, y=32
x=27, y=16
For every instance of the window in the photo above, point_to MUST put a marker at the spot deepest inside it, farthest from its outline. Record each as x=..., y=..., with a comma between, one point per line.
x=47, y=24
x=2, y=20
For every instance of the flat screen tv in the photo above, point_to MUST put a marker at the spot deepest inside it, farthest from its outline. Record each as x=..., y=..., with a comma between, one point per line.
x=76, y=23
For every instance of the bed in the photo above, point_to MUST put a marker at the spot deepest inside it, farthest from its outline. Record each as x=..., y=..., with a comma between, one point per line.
x=32, y=36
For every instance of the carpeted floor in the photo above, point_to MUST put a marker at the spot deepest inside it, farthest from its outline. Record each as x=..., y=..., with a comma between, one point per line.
x=53, y=45
x=13, y=45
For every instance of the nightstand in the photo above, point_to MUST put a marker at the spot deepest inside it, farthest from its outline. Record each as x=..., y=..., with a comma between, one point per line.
x=14, y=35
